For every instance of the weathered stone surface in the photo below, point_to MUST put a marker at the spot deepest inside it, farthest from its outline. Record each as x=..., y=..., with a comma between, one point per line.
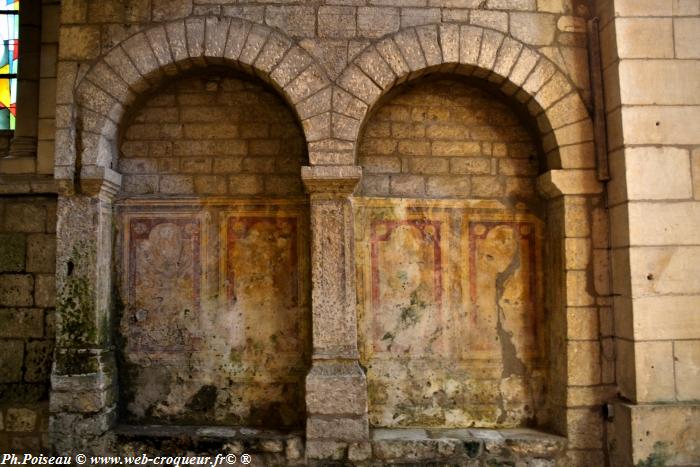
x=41, y=253
x=11, y=361
x=16, y=290
x=22, y=322
x=20, y=420
x=12, y=252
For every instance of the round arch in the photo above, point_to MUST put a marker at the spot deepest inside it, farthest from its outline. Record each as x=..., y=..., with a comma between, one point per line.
x=518, y=71
x=147, y=58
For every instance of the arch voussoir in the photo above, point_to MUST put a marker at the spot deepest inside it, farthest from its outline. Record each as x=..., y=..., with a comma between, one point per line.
x=428, y=39
x=519, y=71
x=147, y=57
x=374, y=66
x=215, y=34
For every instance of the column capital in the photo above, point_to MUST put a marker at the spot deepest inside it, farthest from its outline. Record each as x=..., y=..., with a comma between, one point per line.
x=331, y=180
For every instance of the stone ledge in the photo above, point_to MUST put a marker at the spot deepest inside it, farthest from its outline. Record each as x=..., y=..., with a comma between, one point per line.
x=387, y=446
x=460, y=445
x=271, y=447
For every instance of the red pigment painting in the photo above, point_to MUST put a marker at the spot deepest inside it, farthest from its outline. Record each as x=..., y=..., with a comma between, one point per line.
x=406, y=269
x=163, y=283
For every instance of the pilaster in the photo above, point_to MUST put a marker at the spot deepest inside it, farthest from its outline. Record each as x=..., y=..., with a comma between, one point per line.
x=336, y=386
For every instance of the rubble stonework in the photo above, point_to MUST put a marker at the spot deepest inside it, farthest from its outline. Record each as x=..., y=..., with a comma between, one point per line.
x=354, y=232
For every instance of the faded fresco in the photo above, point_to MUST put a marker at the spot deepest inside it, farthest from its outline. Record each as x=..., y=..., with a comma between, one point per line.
x=215, y=319
x=450, y=312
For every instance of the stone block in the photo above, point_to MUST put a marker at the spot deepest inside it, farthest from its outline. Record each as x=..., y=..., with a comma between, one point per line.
x=322, y=449
x=408, y=185
x=695, y=168
x=20, y=420
x=568, y=182
x=470, y=44
x=45, y=290
x=444, y=186
x=487, y=186
x=686, y=355
x=74, y=11
x=668, y=82
x=578, y=289
x=471, y=166
x=41, y=253
x=21, y=322
x=12, y=252
x=533, y=28
x=506, y=58
x=245, y=184
x=337, y=22
x=164, y=10
x=577, y=253
x=419, y=16
x=497, y=20
x=675, y=223
x=338, y=428
x=687, y=37
x=16, y=290
x=583, y=363
x=37, y=363
x=273, y=52
x=298, y=21
x=490, y=45
x=375, y=22
x=408, y=44
x=517, y=5
x=257, y=37
x=665, y=317
x=652, y=125
x=644, y=37
x=176, y=184
x=210, y=184
x=360, y=85
x=79, y=42
x=654, y=366
x=23, y=217
x=660, y=431
x=643, y=8
x=11, y=359
x=428, y=38
x=252, y=13
x=582, y=323
x=585, y=428
x=306, y=84
x=658, y=173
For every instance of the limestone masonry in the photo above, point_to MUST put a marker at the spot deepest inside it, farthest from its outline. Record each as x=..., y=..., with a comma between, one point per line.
x=354, y=232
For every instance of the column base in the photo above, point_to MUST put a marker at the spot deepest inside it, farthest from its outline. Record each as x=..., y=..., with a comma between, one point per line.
x=336, y=403
x=655, y=434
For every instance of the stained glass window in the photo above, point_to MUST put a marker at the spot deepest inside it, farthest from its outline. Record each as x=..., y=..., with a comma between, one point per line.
x=9, y=60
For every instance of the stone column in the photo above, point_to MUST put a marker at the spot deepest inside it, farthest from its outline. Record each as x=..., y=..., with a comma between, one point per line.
x=336, y=386
x=22, y=154
x=83, y=380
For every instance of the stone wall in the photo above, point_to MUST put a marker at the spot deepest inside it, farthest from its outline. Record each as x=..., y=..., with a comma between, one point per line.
x=444, y=138
x=332, y=63
x=651, y=64
x=335, y=63
x=212, y=135
x=27, y=296
x=214, y=289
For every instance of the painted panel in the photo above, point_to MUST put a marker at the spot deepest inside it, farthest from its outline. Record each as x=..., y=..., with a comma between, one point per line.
x=450, y=309
x=215, y=318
